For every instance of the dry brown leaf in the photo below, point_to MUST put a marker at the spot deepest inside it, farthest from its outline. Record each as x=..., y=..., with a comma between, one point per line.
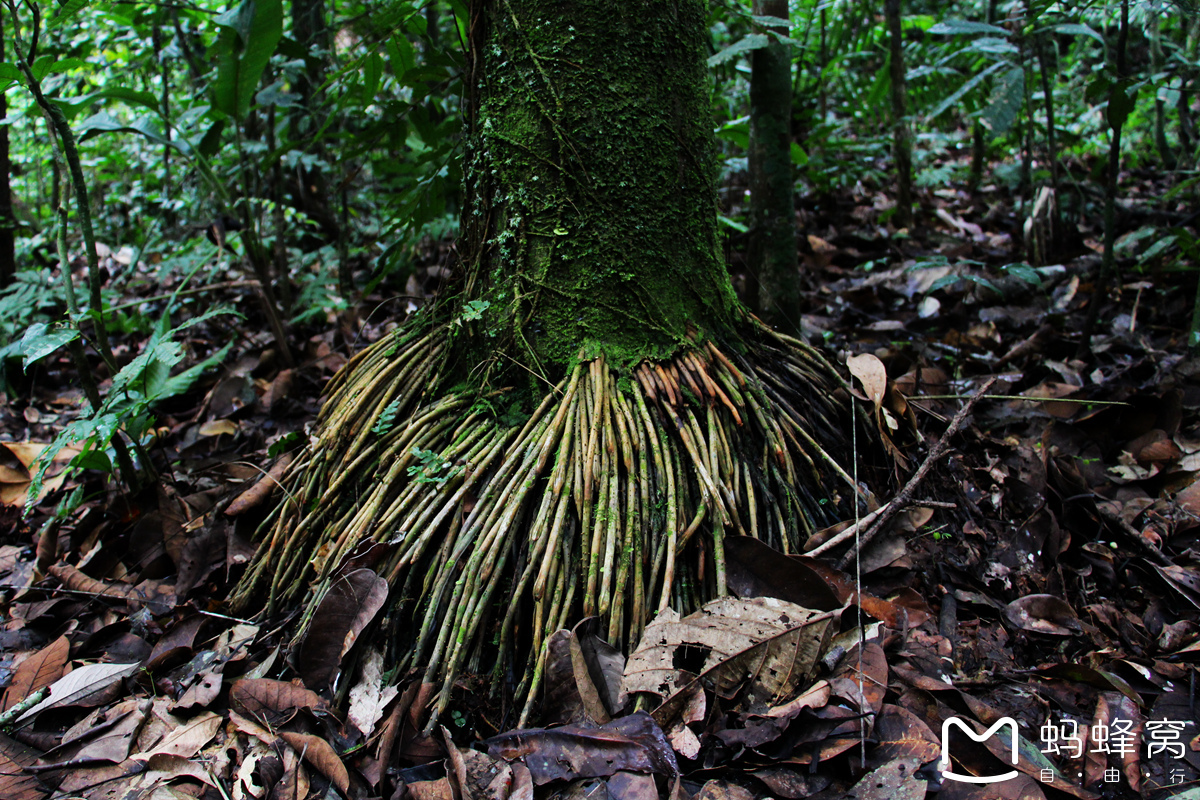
x=16, y=460
x=78, y=684
x=1043, y=613
x=723, y=790
x=116, y=737
x=203, y=691
x=77, y=581
x=15, y=782
x=321, y=755
x=350, y=604
x=369, y=696
x=895, y=780
x=276, y=701
x=218, y=427
x=41, y=669
x=262, y=488
x=872, y=374
x=188, y=739
x=862, y=681
x=632, y=743
x=770, y=646
x=430, y=790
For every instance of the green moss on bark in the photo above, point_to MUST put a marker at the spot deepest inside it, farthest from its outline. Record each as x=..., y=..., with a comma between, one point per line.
x=593, y=226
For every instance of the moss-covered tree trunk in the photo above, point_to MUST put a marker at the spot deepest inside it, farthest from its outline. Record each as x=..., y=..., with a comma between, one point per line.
x=593, y=214
x=574, y=431
x=772, y=203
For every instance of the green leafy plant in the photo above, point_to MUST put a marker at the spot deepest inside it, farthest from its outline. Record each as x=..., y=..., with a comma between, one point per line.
x=128, y=406
x=431, y=467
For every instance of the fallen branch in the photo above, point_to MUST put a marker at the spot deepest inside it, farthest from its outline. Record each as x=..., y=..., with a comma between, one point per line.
x=873, y=523
x=1131, y=535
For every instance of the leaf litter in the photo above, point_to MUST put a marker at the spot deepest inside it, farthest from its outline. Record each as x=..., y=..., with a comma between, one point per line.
x=1045, y=569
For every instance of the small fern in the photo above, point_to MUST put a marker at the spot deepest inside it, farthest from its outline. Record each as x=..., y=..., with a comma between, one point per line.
x=387, y=419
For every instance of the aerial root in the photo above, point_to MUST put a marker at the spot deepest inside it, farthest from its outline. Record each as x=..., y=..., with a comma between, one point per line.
x=612, y=500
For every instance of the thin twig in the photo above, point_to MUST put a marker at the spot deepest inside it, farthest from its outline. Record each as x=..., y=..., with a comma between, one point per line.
x=904, y=498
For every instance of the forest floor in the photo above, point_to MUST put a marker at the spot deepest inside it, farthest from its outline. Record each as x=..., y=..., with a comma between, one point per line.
x=1051, y=576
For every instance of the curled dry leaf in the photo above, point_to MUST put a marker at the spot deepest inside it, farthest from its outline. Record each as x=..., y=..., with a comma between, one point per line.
x=871, y=373
x=350, y=604
x=321, y=755
x=275, y=701
x=633, y=743
x=369, y=696
x=75, y=580
x=1043, y=613
x=188, y=739
x=769, y=647
x=262, y=488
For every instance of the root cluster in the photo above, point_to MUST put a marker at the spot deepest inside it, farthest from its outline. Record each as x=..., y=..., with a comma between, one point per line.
x=613, y=499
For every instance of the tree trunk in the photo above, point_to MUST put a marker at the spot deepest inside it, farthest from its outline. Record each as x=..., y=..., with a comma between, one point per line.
x=577, y=430
x=901, y=143
x=7, y=220
x=591, y=173
x=772, y=204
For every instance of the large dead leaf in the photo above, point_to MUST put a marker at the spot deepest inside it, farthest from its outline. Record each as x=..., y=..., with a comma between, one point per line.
x=633, y=743
x=273, y=701
x=41, y=669
x=17, y=466
x=1043, y=613
x=583, y=676
x=79, y=683
x=862, y=680
x=769, y=647
x=369, y=696
x=321, y=755
x=350, y=604
x=755, y=569
x=186, y=740
x=895, y=780
x=15, y=782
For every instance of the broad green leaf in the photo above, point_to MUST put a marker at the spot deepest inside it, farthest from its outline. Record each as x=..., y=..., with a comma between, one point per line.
x=770, y=22
x=103, y=122
x=1008, y=95
x=10, y=72
x=1121, y=100
x=40, y=340
x=735, y=225
x=754, y=41
x=992, y=46
x=250, y=32
x=93, y=459
x=1097, y=88
x=799, y=157
x=1078, y=29
x=130, y=96
x=66, y=11
x=1025, y=273
x=960, y=26
x=962, y=90
x=400, y=52
x=372, y=72
x=211, y=141
x=950, y=280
